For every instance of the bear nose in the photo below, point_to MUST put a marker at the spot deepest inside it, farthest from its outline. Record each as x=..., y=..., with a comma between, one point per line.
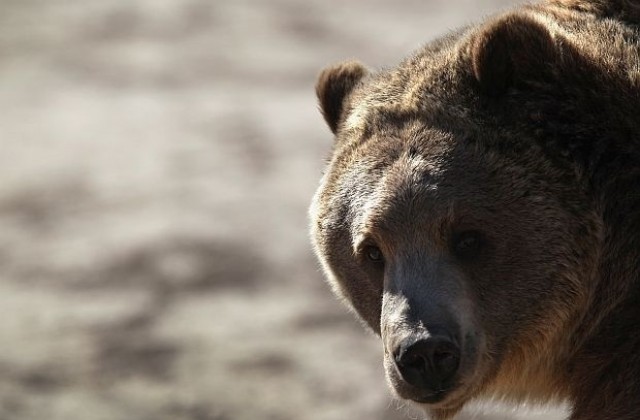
x=428, y=363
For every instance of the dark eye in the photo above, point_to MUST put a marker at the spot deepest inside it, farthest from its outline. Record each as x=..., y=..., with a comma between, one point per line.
x=373, y=253
x=467, y=245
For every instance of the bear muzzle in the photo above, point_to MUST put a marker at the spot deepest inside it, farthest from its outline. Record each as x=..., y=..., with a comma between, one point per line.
x=430, y=352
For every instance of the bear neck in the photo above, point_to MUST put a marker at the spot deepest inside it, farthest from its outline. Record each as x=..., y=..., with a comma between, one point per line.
x=607, y=340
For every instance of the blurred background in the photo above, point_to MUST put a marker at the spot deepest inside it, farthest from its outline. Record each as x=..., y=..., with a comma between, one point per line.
x=157, y=158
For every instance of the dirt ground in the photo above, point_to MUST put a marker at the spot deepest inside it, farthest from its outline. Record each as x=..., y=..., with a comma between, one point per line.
x=157, y=159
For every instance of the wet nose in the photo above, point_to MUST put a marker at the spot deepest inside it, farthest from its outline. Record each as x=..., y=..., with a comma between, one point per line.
x=428, y=363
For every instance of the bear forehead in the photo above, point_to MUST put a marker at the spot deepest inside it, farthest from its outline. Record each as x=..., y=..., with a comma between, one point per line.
x=399, y=197
x=432, y=85
x=392, y=98
x=420, y=188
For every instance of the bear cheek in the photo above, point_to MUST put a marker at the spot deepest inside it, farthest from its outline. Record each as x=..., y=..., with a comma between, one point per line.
x=347, y=280
x=357, y=293
x=521, y=290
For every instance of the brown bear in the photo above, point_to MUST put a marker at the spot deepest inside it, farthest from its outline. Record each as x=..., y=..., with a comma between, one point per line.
x=481, y=210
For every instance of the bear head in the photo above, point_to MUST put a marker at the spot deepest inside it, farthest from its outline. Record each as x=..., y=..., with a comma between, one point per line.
x=454, y=217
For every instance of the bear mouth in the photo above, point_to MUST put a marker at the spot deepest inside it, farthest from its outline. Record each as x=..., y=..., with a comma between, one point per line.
x=449, y=400
x=430, y=398
x=441, y=398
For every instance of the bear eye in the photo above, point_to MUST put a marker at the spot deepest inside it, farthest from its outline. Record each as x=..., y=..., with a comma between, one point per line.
x=373, y=254
x=467, y=245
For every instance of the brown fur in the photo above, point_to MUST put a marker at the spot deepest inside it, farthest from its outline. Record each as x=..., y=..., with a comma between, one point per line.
x=333, y=87
x=525, y=129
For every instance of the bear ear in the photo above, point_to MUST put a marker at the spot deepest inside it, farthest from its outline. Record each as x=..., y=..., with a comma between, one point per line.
x=513, y=50
x=333, y=87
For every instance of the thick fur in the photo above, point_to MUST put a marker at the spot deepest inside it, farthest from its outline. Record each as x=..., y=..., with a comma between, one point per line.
x=526, y=129
x=333, y=88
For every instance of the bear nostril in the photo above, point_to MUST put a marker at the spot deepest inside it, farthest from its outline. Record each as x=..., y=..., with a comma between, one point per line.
x=445, y=361
x=415, y=361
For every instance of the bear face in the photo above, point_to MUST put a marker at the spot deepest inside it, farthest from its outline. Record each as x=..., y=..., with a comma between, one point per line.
x=457, y=216
x=426, y=234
